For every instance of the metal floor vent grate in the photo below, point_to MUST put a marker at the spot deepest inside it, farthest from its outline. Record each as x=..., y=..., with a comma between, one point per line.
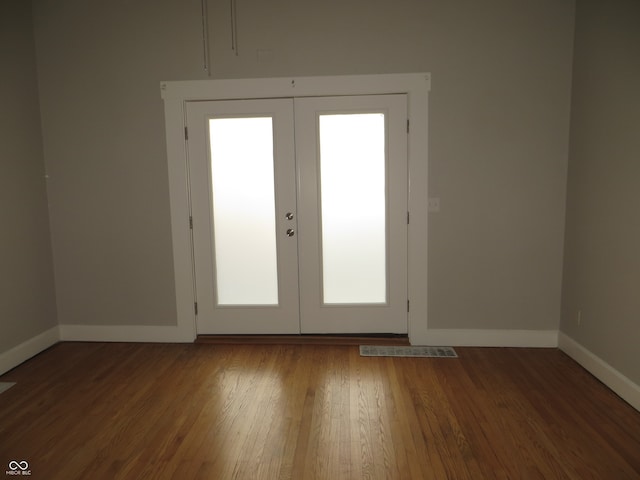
x=412, y=351
x=4, y=386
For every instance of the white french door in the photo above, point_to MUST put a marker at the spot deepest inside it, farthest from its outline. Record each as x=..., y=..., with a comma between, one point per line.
x=243, y=201
x=299, y=210
x=351, y=155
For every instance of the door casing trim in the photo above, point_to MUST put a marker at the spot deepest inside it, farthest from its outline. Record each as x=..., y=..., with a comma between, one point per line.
x=415, y=85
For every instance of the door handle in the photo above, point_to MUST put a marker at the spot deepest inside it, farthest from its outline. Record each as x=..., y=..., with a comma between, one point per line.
x=290, y=232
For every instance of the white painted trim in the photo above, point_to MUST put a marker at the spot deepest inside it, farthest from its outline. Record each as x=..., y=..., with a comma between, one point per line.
x=183, y=91
x=415, y=85
x=612, y=378
x=125, y=333
x=23, y=352
x=492, y=338
x=179, y=202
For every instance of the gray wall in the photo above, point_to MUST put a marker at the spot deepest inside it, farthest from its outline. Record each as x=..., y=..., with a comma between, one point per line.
x=100, y=67
x=27, y=297
x=499, y=126
x=602, y=263
x=499, y=123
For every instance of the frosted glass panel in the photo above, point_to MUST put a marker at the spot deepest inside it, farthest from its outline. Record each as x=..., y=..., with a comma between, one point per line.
x=353, y=208
x=244, y=217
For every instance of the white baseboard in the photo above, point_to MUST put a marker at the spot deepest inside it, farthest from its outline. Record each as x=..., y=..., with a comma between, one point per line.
x=600, y=369
x=23, y=352
x=138, y=333
x=493, y=338
x=84, y=333
x=453, y=337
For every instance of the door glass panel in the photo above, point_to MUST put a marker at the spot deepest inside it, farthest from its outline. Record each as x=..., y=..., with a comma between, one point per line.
x=244, y=220
x=353, y=208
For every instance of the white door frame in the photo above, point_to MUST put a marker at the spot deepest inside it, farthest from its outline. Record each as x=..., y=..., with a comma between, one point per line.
x=415, y=85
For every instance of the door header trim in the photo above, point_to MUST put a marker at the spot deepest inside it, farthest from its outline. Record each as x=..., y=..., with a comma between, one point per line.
x=196, y=90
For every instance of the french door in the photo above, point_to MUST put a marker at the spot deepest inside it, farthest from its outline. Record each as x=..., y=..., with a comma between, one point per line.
x=299, y=209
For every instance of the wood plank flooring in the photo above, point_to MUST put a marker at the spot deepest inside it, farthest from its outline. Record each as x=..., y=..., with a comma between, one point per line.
x=198, y=411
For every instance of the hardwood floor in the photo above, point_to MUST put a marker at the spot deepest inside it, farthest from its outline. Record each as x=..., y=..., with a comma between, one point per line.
x=150, y=411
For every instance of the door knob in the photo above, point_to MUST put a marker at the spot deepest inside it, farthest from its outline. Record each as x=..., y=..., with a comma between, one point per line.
x=290, y=232
x=289, y=216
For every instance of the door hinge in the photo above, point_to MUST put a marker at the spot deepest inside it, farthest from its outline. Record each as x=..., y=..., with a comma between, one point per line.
x=195, y=307
x=408, y=304
x=408, y=218
x=190, y=222
x=407, y=125
x=186, y=133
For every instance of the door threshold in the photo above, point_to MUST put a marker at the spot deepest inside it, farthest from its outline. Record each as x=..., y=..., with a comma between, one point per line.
x=359, y=339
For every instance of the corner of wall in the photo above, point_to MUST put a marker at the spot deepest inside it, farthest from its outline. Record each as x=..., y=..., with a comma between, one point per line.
x=612, y=378
x=32, y=347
